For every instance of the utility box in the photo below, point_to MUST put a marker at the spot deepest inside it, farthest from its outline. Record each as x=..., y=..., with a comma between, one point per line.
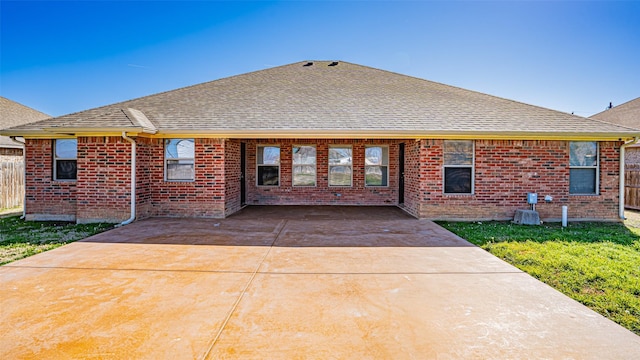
x=526, y=217
x=532, y=198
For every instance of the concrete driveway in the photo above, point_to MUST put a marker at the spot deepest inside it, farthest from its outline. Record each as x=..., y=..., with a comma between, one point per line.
x=290, y=283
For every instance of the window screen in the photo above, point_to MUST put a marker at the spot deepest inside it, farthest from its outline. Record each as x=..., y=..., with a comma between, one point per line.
x=179, y=155
x=304, y=166
x=458, y=167
x=65, y=159
x=376, y=166
x=340, y=166
x=268, y=162
x=583, y=167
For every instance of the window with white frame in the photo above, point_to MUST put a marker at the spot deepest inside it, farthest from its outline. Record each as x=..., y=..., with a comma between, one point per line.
x=458, y=166
x=268, y=162
x=304, y=165
x=583, y=167
x=65, y=159
x=376, y=166
x=340, y=166
x=179, y=160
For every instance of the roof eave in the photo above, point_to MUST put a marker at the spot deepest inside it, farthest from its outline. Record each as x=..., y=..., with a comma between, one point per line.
x=324, y=134
x=50, y=132
x=398, y=134
x=108, y=131
x=22, y=133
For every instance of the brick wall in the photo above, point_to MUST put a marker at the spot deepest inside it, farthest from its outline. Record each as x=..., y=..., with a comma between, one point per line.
x=505, y=171
x=148, y=156
x=322, y=193
x=103, y=188
x=232, y=174
x=203, y=197
x=46, y=199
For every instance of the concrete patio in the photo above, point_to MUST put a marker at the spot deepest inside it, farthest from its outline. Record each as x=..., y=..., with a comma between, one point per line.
x=291, y=283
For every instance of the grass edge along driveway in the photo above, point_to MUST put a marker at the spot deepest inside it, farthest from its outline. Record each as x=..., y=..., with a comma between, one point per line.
x=596, y=264
x=20, y=239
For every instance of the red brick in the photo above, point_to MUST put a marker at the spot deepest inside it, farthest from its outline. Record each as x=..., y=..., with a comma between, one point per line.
x=504, y=172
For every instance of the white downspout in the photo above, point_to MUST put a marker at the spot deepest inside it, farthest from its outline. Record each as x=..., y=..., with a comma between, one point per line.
x=24, y=179
x=621, y=176
x=133, y=180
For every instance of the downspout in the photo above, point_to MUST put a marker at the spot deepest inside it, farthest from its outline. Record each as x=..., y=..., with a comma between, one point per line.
x=621, y=176
x=24, y=176
x=133, y=180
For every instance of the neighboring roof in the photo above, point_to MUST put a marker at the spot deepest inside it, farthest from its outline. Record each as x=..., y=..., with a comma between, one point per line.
x=317, y=99
x=14, y=114
x=627, y=114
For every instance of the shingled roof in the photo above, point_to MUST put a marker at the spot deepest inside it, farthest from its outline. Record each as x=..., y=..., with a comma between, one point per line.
x=314, y=99
x=627, y=114
x=14, y=114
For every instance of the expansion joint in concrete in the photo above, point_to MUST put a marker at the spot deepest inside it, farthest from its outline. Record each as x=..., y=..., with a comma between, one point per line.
x=277, y=231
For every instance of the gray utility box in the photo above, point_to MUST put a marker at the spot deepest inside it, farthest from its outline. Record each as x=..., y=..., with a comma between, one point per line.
x=526, y=217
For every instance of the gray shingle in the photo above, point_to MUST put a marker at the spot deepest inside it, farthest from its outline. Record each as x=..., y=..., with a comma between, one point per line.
x=345, y=99
x=14, y=114
x=627, y=114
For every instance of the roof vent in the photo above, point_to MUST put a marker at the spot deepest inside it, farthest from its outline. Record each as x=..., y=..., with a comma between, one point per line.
x=308, y=64
x=333, y=63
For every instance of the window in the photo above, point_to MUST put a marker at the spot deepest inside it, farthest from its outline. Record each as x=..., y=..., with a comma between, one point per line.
x=65, y=159
x=340, y=166
x=458, y=167
x=304, y=166
x=268, y=159
x=179, y=156
x=583, y=167
x=376, y=165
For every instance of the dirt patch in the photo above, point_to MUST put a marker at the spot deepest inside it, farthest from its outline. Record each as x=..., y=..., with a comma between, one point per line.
x=10, y=212
x=633, y=218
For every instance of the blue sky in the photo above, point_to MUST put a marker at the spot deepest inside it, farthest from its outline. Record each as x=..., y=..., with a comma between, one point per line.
x=572, y=56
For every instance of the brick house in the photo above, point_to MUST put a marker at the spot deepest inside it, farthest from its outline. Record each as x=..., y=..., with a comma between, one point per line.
x=627, y=114
x=11, y=152
x=321, y=133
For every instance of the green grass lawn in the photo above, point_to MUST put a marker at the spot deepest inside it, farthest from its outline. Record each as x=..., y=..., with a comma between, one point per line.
x=19, y=239
x=597, y=264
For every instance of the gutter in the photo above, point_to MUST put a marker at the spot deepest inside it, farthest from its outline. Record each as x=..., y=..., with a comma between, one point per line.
x=133, y=180
x=391, y=134
x=24, y=175
x=621, y=176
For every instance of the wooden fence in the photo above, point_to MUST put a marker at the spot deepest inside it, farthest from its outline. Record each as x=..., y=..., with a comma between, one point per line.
x=632, y=186
x=11, y=181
